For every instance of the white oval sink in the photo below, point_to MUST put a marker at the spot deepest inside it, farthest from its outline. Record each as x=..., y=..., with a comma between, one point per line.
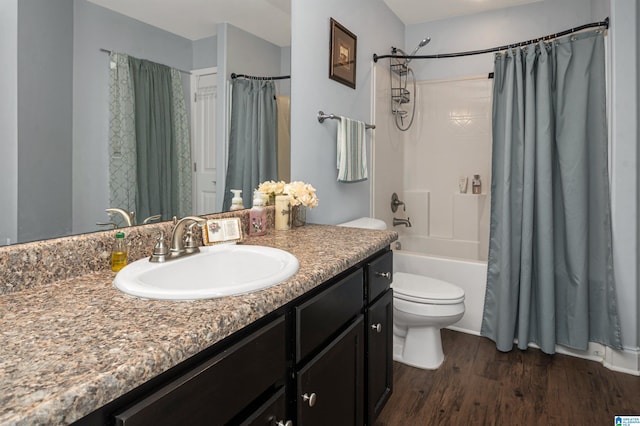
x=217, y=271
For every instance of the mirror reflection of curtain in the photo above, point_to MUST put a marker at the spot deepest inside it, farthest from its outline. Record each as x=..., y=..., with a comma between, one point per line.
x=151, y=174
x=253, y=138
x=550, y=278
x=122, y=137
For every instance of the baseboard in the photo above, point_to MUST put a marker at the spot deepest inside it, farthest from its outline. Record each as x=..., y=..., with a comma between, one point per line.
x=626, y=360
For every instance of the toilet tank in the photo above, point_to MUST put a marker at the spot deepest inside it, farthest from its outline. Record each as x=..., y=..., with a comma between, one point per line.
x=366, y=223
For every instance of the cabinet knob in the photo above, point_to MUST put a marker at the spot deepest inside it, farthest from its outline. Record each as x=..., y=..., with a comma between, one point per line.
x=386, y=275
x=283, y=423
x=377, y=327
x=310, y=399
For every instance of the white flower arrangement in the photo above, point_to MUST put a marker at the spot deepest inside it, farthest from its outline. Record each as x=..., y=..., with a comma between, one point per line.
x=301, y=193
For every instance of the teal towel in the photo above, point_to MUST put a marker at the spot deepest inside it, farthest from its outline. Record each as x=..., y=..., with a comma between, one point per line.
x=352, y=151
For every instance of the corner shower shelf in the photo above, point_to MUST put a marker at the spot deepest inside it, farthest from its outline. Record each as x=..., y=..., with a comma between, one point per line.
x=400, y=95
x=400, y=69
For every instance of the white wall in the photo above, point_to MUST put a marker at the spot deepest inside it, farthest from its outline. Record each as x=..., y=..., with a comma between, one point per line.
x=313, y=150
x=9, y=121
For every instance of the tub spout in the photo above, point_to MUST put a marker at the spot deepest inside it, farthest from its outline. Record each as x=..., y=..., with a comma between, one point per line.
x=406, y=222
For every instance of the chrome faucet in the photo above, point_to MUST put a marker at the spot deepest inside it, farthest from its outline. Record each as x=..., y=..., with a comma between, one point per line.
x=152, y=218
x=177, y=236
x=406, y=222
x=129, y=217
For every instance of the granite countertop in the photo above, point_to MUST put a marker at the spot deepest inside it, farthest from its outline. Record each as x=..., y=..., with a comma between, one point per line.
x=69, y=347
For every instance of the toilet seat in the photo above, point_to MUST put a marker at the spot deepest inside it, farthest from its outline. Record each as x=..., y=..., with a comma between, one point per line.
x=427, y=290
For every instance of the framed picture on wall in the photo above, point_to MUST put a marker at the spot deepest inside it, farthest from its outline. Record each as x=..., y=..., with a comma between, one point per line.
x=342, y=55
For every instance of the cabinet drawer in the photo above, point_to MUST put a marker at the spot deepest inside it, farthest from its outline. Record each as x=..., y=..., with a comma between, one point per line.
x=379, y=276
x=219, y=389
x=322, y=316
x=271, y=412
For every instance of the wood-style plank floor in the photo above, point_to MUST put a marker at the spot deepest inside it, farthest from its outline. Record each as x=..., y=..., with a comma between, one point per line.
x=478, y=385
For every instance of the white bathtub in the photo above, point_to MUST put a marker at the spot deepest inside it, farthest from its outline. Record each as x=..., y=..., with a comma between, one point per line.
x=470, y=275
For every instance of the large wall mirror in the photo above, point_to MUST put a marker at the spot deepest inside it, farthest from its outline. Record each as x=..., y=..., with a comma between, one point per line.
x=55, y=121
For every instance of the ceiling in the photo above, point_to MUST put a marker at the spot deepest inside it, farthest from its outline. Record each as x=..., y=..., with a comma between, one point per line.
x=196, y=19
x=418, y=11
x=271, y=19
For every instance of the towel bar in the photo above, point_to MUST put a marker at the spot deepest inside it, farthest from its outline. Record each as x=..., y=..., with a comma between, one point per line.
x=322, y=116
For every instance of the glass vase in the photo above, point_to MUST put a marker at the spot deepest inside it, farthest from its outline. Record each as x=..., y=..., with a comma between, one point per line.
x=298, y=215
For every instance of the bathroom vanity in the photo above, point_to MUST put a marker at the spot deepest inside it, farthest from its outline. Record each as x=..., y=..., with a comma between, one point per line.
x=316, y=349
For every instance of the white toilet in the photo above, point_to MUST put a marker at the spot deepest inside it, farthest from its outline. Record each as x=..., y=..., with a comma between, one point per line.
x=421, y=307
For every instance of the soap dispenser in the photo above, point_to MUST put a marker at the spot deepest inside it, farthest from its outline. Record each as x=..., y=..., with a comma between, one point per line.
x=257, y=216
x=236, y=201
x=119, y=253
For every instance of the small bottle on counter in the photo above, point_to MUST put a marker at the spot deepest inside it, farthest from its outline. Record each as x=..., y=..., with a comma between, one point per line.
x=476, y=185
x=119, y=253
x=236, y=201
x=257, y=216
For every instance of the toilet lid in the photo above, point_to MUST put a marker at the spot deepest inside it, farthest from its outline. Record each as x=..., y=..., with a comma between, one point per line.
x=419, y=288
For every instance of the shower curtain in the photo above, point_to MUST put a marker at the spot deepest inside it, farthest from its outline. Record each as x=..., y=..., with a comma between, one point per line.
x=550, y=270
x=150, y=161
x=122, y=138
x=253, y=138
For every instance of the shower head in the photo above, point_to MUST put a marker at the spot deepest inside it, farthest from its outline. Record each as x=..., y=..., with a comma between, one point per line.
x=420, y=45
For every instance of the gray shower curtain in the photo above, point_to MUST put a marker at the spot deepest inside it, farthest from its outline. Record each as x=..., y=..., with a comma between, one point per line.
x=550, y=271
x=253, y=138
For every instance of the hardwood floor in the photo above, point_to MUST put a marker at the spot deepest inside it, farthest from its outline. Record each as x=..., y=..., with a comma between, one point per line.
x=478, y=385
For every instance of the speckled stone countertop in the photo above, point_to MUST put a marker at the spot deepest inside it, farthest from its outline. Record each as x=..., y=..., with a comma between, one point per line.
x=71, y=346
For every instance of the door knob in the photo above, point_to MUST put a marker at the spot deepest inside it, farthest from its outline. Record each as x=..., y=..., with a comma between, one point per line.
x=283, y=423
x=310, y=399
x=377, y=327
x=386, y=275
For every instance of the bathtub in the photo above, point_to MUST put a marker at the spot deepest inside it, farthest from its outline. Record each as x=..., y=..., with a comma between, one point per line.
x=469, y=275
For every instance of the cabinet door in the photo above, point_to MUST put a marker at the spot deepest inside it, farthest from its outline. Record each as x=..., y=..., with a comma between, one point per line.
x=330, y=388
x=379, y=355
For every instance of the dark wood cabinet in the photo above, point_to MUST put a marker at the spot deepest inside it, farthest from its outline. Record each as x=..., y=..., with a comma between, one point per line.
x=271, y=413
x=330, y=387
x=217, y=391
x=324, y=358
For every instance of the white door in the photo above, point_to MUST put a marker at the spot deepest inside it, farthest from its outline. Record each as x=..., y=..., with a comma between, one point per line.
x=203, y=113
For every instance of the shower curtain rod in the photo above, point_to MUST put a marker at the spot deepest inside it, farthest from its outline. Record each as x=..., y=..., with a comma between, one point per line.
x=604, y=24
x=251, y=77
x=177, y=69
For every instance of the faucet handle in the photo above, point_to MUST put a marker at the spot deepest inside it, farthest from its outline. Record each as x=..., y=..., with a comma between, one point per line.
x=160, y=251
x=190, y=245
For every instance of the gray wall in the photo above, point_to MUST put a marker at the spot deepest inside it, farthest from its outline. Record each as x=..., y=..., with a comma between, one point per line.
x=205, y=53
x=45, y=61
x=96, y=28
x=491, y=29
x=313, y=150
x=624, y=167
x=9, y=122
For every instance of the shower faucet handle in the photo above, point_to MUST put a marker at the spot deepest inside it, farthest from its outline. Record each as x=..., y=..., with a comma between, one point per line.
x=395, y=203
